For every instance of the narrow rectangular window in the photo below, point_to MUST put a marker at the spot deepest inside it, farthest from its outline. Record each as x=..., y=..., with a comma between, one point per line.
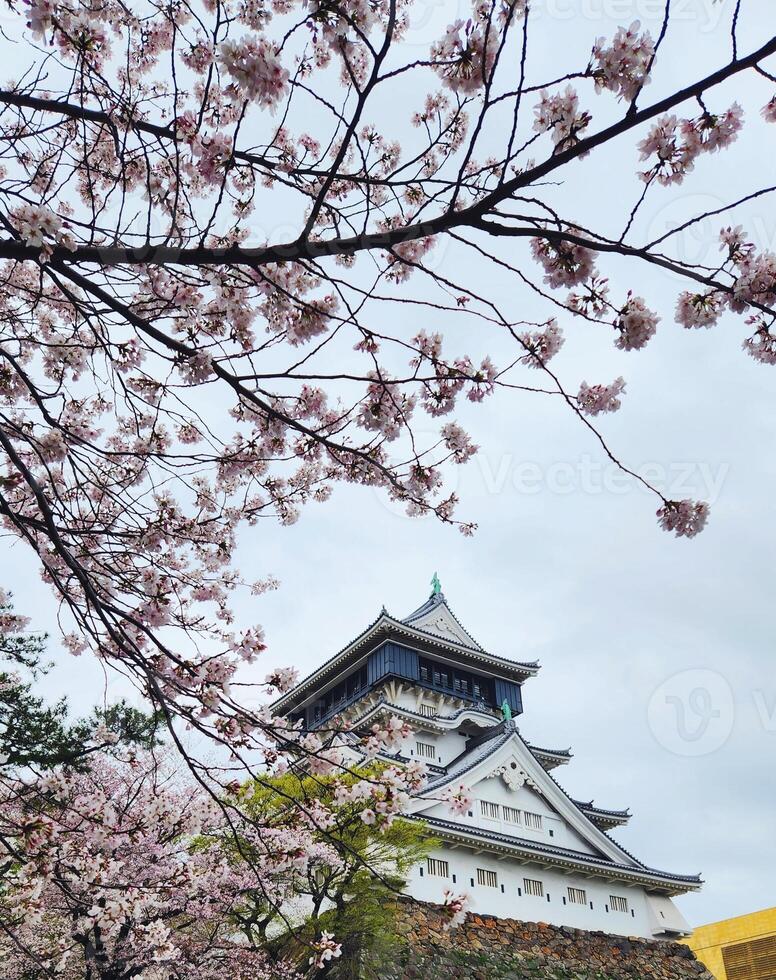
x=534, y=887
x=428, y=710
x=438, y=868
x=489, y=878
x=510, y=814
x=532, y=820
x=577, y=896
x=490, y=810
x=618, y=903
x=425, y=750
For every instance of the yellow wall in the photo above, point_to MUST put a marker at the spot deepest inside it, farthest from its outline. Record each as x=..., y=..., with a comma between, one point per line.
x=707, y=941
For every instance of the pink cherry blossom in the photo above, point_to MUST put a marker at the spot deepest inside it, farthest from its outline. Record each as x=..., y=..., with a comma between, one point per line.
x=564, y=263
x=282, y=678
x=762, y=344
x=699, y=309
x=458, y=797
x=685, y=518
x=768, y=111
x=636, y=324
x=325, y=949
x=622, y=66
x=257, y=71
x=455, y=908
x=677, y=144
x=458, y=442
x=595, y=399
x=541, y=345
x=559, y=115
x=463, y=58
x=105, y=875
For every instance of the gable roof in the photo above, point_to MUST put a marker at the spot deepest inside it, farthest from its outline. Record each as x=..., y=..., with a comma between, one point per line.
x=494, y=747
x=435, y=616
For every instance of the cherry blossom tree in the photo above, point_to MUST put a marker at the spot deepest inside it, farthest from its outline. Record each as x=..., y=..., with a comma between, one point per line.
x=119, y=872
x=220, y=294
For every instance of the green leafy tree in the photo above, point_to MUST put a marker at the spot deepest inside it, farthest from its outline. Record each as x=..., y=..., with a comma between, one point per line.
x=350, y=887
x=33, y=733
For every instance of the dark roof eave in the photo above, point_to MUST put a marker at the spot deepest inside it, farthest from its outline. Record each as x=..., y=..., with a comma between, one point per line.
x=596, y=811
x=387, y=624
x=671, y=882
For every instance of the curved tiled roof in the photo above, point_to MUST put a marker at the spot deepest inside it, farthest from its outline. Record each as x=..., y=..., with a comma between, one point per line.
x=566, y=753
x=440, y=722
x=557, y=756
x=398, y=626
x=476, y=750
x=600, y=811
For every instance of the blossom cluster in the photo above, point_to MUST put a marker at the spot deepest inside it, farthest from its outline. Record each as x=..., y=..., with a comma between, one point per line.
x=559, y=115
x=685, y=518
x=256, y=69
x=455, y=908
x=38, y=226
x=564, y=263
x=595, y=399
x=678, y=144
x=458, y=797
x=465, y=56
x=753, y=284
x=635, y=323
x=324, y=950
x=623, y=66
x=106, y=862
x=541, y=345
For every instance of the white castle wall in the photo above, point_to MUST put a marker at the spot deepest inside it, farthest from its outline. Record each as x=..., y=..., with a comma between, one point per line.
x=505, y=901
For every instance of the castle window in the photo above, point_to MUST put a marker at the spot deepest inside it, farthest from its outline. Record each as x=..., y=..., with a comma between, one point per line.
x=510, y=814
x=490, y=810
x=577, y=896
x=532, y=820
x=428, y=710
x=438, y=868
x=618, y=903
x=425, y=750
x=533, y=887
x=462, y=684
x=489, y=878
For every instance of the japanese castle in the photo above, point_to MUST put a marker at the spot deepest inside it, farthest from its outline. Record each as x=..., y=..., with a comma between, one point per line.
x=526, y=850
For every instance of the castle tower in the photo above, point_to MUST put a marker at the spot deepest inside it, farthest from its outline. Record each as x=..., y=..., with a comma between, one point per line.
x=525, y=850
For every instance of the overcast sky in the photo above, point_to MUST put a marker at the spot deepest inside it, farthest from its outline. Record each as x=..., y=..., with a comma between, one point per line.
x=657, y=654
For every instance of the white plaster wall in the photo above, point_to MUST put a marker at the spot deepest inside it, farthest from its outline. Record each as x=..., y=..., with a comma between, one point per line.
x=637, y=921
x=448, y=745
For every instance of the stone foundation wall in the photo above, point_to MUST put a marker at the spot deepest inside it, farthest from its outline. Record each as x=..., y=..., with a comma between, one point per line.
x=487, y=948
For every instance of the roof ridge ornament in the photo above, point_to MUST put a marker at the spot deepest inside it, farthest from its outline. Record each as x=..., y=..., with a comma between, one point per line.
x=436, y=585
